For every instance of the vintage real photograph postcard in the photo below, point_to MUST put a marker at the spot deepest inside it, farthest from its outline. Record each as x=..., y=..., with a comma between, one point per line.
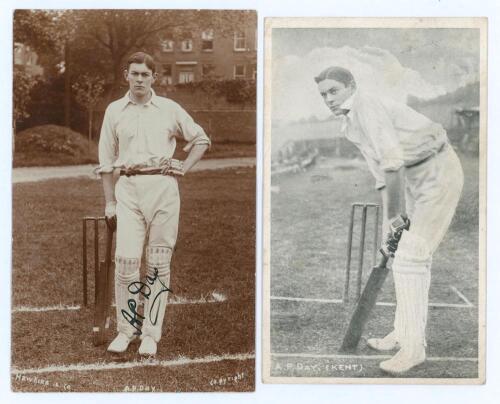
x=134, y=150
x=374, y=200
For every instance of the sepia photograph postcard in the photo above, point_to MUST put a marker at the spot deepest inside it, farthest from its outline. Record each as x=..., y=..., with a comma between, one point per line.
x=374, y=205
x=133, y=208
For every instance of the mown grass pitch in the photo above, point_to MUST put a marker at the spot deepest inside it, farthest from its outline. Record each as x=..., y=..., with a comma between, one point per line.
x=215, y=253
x=309, y=224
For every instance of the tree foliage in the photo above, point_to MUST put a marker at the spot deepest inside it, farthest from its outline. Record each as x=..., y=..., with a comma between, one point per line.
x=22, y=86
x=39, y=29
x=88, y=90
x=44, y=31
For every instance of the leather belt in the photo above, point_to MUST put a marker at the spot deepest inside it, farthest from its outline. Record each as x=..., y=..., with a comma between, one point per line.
x=147, y=171
x=441, y=149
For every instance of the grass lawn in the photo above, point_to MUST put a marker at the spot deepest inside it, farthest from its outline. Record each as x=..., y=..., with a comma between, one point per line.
x=215, y=252
x=310, y=215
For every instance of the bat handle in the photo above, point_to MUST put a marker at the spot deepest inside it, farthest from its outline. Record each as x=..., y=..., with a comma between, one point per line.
x=399, y=230
x=383, y=259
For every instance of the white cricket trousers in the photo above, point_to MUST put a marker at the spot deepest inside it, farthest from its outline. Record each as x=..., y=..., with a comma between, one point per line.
x=147, y=206
x=432, y=192
x=147, y=210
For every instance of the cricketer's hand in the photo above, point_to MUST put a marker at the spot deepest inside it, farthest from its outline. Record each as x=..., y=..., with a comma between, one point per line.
x=396, y=227
x=172, y=167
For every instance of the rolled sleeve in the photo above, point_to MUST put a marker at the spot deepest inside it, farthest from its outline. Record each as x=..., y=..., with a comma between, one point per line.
x=108, y=145
x=375, y=170
x=377, y=125
x=191, y=132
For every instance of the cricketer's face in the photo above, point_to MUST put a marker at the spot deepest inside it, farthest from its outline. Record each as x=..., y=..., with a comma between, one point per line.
x=140, y=78
x=334, y=94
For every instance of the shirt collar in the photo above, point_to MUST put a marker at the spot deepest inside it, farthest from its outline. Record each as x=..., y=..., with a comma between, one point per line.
x=345, y=119
x=348, y=104
x=125, y=100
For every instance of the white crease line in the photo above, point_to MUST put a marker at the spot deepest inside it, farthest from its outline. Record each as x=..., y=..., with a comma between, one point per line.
x=305, y=299
x=28, y=309
x=374, y=357
x=213, y=298
x=339, y=301
x=180, y=361
x=431, y=304
x=461, y=296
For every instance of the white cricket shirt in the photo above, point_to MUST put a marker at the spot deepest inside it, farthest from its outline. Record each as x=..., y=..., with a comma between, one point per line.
x=138, y=136
x=389, y=134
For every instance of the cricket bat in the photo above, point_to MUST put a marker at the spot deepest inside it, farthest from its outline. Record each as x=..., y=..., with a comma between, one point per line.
x=103, y=288
x=368, y=298
x=365, y=304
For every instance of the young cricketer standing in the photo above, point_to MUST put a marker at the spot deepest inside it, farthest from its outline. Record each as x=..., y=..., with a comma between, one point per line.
x=402, y=149
x=138, y=138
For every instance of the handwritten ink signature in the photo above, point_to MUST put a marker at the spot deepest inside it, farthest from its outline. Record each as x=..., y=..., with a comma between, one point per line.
x=144, y=288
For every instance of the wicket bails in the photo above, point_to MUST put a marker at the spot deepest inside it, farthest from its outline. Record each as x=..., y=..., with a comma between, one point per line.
x=96, y=221
x=365, y=208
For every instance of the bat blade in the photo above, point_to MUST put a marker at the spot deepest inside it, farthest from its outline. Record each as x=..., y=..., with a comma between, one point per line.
x=103, y=280
x=364, y=306
x=99, y=329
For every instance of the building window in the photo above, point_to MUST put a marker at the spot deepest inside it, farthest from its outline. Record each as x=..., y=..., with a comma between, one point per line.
x=207, y=70
x=167, y=45
x=207, y=40
x=186, y=77
x=18, y=60
x=240, y=41
x=166, y=76
x=187, y=45
x=239, y=71
x=18, y=54
x=30, y=59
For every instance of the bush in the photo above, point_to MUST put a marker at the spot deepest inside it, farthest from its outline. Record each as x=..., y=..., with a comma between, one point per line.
x=228, y=126
x=52, y=145
x=243, y=92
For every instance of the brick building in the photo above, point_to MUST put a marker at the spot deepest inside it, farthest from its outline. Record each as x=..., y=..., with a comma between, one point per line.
x=207, y=54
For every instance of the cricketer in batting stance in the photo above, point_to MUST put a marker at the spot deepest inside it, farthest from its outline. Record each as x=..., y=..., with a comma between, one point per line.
x=403, y=149
x=138, y=138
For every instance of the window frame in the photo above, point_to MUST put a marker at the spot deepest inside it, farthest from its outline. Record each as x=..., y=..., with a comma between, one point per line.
x=242, y=76
x=186, y=72
x=170, y=49
x=187, y=40
x=236, y=38
x=210, y=34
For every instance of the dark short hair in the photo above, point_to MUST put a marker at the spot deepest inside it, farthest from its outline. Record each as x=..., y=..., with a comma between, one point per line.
x=141, y=57
x=338, y=74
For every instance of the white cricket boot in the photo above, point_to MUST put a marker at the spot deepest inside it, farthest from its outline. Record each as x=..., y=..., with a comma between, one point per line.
x=148, y=346
x=387, y=343
x=120, y=343
x=404, y=360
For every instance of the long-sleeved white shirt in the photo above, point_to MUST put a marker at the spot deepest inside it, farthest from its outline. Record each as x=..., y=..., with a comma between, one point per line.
x=138, y=136
x=390, y=134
